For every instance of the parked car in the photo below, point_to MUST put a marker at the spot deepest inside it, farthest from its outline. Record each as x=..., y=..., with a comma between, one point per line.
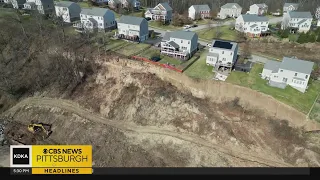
x=186, y=26
x=155, y=58
x=194, y=25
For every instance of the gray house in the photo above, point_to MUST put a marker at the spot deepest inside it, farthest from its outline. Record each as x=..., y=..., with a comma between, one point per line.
x=199, y=11
x=222, y=53
x=133, y=28
x=258, y=9
x=230, y=10
x=93, y=19
x=162, y=11
x=287, y=7
x=68, y=11
x=291, y=71
x=179, y=44
x=42, y=6
x=297, y=21
x=18, y=4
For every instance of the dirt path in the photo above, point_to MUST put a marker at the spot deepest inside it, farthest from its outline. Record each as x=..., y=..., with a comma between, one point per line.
x=76, y=109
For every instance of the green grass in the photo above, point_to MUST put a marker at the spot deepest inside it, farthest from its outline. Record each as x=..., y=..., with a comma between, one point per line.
x=293, y=37
x=315, y=113
x=209, y=34
x=155, y=24
x=132, y=48
x=114, y=43
x=200, y=69
x=301, y=101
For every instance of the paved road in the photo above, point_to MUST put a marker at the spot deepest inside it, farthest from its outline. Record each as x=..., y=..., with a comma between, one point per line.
x=73, y=107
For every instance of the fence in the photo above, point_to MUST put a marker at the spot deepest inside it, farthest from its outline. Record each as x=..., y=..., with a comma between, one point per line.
x=156, y=63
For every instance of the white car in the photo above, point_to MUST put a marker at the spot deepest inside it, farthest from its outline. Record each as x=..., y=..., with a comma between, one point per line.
x=209, y=45
x=186, y=26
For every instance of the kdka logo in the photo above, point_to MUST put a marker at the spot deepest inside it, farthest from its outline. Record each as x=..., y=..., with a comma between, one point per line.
x=20, y=156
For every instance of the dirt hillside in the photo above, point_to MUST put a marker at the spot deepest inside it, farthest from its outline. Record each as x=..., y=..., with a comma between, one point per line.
x=133, y=118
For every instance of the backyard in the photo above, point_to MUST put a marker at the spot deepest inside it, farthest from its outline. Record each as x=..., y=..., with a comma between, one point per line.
x=315, y=113
x=289, y=95
x=158, y=25
x=200, y=69
x=213, y=33
x=132, y=48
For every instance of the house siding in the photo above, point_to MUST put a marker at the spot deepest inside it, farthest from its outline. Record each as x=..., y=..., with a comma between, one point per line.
x=231, y=12
x=254, y=9
x=289, y=22
x=241, y=26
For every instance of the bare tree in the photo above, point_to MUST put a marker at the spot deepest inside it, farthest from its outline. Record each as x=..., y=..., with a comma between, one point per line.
x=246, y=51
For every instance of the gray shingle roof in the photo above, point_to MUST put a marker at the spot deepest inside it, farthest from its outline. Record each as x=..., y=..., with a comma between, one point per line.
x=166, y=6
x=263, y=5
x=302, y=21
x=187, y=35
x=253, y=18
x=203, y=7
x=230, y=5
x=297, y=65
x=173, y=44
x=47, y=2
x=296, y=5
x=95, y=11
x=272, y=65
x=131, y=20
x=297, y=14
x=64, y=3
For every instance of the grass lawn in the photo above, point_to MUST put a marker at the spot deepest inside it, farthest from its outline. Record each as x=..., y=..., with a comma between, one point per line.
x=202, y=21
x=226, y=33
x=315, y=113
x=132, y=48
x=301, y=101
x=155, y=24
x=200, y=69
x=115, y=43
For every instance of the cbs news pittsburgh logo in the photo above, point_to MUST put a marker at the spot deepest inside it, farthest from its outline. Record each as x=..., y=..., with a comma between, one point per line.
x=52, y=159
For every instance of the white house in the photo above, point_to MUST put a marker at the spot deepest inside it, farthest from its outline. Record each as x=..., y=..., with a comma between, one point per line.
x=287, y=7
x=179, y=44
x=290, y=71
x=199, y=11
x=230, y=10
x=68, y=11
x=162, y=11
x=123, y=3
x=133, y=28
x=297, y=21
x=99, y=19
x=252, y=24
x=42, y=6
x=222, y=53
x=258, y=9
x=18, y=4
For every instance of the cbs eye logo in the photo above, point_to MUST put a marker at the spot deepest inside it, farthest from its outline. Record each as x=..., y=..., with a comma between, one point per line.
x=20, y=156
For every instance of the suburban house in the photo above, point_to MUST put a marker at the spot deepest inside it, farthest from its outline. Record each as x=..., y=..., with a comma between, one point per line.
x=124, y=3
x=68, y=11
x=230, y=10
x=258, y=9
x=93, y=19
x=42, y=6
x=290, y=71
x=162, y=11
x=252, y=24
x=287, y=7
x=18, y=4
x=133, y=28
x=179, y=44
x=199, y=11
x=297, y=21
x=222, y=53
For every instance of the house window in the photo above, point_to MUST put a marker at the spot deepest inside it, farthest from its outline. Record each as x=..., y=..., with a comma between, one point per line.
x=231, y=53
x=222, y=52
x=295, y=74
x=284, y=79
x=181, y=41
x=306, y=76
x=188, y=42
x=100, y=24
x=281, y=70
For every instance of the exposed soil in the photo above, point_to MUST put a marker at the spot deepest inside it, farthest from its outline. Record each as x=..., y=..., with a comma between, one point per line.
x=140, y=99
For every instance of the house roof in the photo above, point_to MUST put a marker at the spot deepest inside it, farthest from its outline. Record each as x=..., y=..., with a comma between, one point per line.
x=131, y=20
x=30, y=3
x=254, y=25
x=297, y=65
x=295, y=5
x=166, y=6
x=230, y=5
x=95, y=11
x=224, y=44
x=272, y=65
x=187, y=35
x=253, y=18
x=46, y=2
x=302, y=21
x=297, y=14
x=173, y=44
x=262, y=5
x=64, y=3
x=203, y=7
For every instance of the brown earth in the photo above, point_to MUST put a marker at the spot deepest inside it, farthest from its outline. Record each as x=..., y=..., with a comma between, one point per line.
x=137, y=119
